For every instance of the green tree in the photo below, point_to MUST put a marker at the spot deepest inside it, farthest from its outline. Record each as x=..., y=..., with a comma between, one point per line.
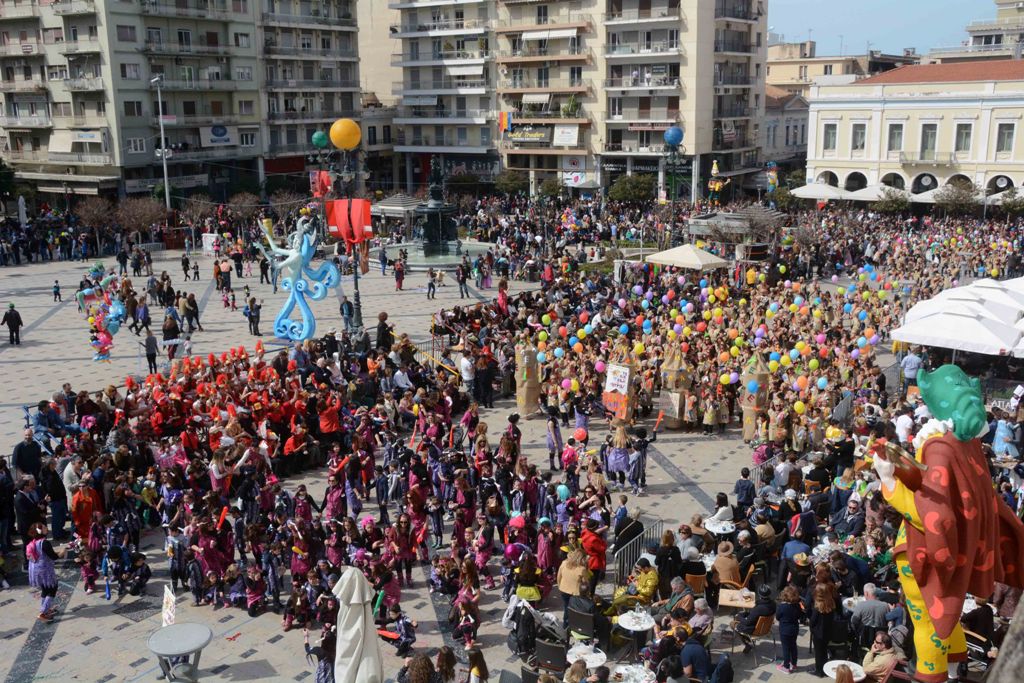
x=893, y=201
x=1012, y=202
x=632, y=188
x=511, y=182
x=784, y=199
x=550, y=188
x=958, y=197
x=464, y=183
x=795, y=178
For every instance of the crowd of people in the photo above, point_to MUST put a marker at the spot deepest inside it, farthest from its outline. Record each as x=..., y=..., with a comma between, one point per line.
x=416, y=471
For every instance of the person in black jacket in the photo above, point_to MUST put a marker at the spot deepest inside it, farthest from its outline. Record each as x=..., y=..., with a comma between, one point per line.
x=788, y=614
x=385, y=335
x=669, y=562
x=51, y=486
x=746, y=621
x=14, y=324
x=823, y=623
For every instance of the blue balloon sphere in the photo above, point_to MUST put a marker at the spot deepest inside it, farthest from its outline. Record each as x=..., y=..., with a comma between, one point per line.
x=793, y=354
x=573, y=341
x=623, y=328
x=542, y=357
x=822, y=383
x=703, y=284
x=863, y=315
x=862, y=342
x=847, y=308
x=559, y=352
x=674, y=136
x=588, y=328
x=753, y=386
x=774, y=355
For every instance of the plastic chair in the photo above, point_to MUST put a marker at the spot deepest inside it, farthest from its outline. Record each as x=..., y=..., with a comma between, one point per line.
x=550, y=656
x=581, y=625
x=528, y=674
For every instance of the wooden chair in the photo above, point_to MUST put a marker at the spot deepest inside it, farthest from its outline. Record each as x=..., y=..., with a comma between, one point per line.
x=811, y=486
x=762, y=630
x=738, y=586
x=697, y=583
x=892, y=672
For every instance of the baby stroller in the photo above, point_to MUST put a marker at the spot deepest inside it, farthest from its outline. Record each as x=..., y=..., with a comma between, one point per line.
x=526, y=626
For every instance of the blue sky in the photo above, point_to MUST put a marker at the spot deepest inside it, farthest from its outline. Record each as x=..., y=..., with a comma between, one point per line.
x=890, y=25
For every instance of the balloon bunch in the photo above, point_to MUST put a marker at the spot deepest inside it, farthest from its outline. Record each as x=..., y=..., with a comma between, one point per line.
x=104, y=311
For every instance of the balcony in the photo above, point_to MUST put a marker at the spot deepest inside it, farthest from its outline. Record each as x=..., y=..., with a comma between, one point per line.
x=211, y=153
x=84, y=84
x=314, y=19
x=314, y=116
x=28, y=48
x=176, y=121
x=74, y=8
x=36, y=121
x=292, y=52
x=720, y=144
x=25, y=155
x=85, y=158
x=575, y=53
x=440, y=57
x=642, y=16
x=441, y=116
x=451, y=27
x=80, y=47
x=86, y=121
x=545, y=116
x=22, y=86
x=196, y=9
x=159, y=47
x=991, y=51
x=633, y=147
x=736, y=11
x=511, y=86
x=645, y=119
x=1009, y=25
x=734, y=80
x=664, y=83
x=737, y=46
x=928, y=158
x=430, y=143
x=200, y=84
x=732, y=112
x=645, y=50
x=553, y=22
x=443, y=86
x=291, y=148
x=315, y=83
x=23, y=10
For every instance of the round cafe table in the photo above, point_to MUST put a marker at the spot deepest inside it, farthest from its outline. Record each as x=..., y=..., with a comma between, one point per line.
x=638, y=624
x=592, y=656
x=857, y=669
x=176, y=641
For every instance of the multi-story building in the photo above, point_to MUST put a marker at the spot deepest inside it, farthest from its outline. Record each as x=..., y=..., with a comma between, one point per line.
x=989, y=39
x=920, y=127
x=794, y=67
x=784, y=127
x=591, y=86
x=238, y=87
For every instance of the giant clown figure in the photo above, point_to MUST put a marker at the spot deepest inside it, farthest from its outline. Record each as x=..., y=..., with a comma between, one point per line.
x=957, y=535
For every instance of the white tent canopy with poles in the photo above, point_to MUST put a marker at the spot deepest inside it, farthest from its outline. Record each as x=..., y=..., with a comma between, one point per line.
x=688, y=256
x=820, y=191
x=960, y=332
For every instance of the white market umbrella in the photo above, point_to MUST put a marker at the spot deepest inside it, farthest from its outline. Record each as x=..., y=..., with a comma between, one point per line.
x=819, y=191
x=1016, y=284
x=993, y=291
x=963, y=305
x=871, y=193
x=358, y=652
x=960, y=332
x=690, y=257
x=924, y=197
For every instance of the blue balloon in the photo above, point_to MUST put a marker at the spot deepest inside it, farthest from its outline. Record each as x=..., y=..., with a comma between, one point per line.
x=863, y=315
x=774, y=355
x=573, y=340
x=645, y=304
x=799, y=301
x=847, y=308
x=868, y=267
x=673, y=136
x=588, y=328
x=793, y=354
x=773, y=307
x=113, y=326
x=703, y=283
x=559, y=352
x=542, y=357
x=822, y=383
x=862, y=342
x=753, y=386
x=623, y=328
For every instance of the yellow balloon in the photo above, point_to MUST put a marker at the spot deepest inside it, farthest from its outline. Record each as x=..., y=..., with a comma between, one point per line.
x=581, y=334
x=743, y=302
x=345, y=134
x=799, y=407
x=800, y=346
x=785, y=360
x=881, y=294
x=817, y=313
x=707, y=315
x=639, y=348
x=718, y=312
x=711, y=298
x=671, y=334
x=734, y=352
x=768, y=314
x=575, y=385
x=687, y=331
x=773, y=365
x=793, y=308
x=542, y=336
x=91, y=320
x=724, y=379
x=995, y=272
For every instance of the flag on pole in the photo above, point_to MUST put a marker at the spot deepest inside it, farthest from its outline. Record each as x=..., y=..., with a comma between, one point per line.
x=504, y=121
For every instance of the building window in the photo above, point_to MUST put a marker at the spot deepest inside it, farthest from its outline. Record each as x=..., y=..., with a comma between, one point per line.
x=56, y=73
x=130, y=72
x=154, y=36
x=575, y=75
x=767, y=70
x=963, y=137
x=101, y=108
x=241, y=40
x=485, y=136
x=615, y=107
x=247, y=139
x=240, y=6
x=787, y=135
x=135, y=145
x=1004, y=137
x=462, y=136
x=243, y=73
x=371, y=135
x=859, y=136
x=895, y=141
x=929, y=138
x=803, y=73
x=126, y=34
x=828, y=137
x=245, y=107
x=828, y=69
x=386, y=134
x=132, y=108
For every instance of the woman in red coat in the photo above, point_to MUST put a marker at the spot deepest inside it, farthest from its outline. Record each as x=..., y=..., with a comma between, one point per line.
x=596, y=548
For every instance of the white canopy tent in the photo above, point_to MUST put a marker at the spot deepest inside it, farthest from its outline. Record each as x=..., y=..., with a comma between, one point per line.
x=964, y=305
x=688, y=256
x=991, y=292
x=960, y=332
x=820, y=191
x=871, y=193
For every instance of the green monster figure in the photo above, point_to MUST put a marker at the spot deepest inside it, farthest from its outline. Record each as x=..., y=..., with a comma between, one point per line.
x=957, y=536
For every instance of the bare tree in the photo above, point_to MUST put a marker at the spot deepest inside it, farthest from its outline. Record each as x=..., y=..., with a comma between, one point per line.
x=196, y=208
x=139, y=214
x=245, y=205
x=285, y=201
x=94, y=212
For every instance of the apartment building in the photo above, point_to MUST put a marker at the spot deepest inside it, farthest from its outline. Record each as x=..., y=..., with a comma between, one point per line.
x=988, y=39
x=238, y=86
x=590, y=86
x=794, y=67
x=917, y=128
x=784, y=127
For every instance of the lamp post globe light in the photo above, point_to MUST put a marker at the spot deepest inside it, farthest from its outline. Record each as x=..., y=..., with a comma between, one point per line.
x=673, y=140
x=345, y=135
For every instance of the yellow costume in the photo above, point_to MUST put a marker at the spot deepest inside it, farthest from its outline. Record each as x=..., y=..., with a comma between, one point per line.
x=646, y=583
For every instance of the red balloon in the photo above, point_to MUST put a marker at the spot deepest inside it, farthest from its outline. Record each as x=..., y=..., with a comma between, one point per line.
x=584, y=317
x=580, y=434
x=563, y=331
x=823, y=352
x=686, y=347
x=671, y=294
x=701, y=326
x=639, y=320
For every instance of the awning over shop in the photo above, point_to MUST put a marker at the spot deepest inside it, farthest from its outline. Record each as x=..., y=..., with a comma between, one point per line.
x=60, y=141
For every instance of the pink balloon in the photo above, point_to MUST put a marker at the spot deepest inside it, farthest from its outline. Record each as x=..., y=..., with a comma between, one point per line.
x=566, y=383
x=820, y=339
x=599, y=366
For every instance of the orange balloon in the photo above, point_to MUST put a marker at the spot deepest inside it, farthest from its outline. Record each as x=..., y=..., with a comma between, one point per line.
x=578, y=347
x=542, y=346
x=680, y=320
x=869, y=333
x=801, y=382
x=639, y=320
x=718, y=320
x=724, y=356
x=733, y=333
x=804, y=310
x=806, y=351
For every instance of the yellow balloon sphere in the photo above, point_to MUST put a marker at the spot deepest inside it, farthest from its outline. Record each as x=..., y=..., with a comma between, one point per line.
x=800, y=346
x=817, y=313
x=724, y=379
x=687, y=331
x=743, y=302
x=718, y=312
x=711, y=298
x=707, y=315
x=768, y=314
x=793, y=308
x=734, y=352
x=581, y=334
x=785, y=360
x=814, y=364
x=995, y=272
x=881, y=294
x=542, y=336
x=773, y=365
x=639, y=348
x=575, y=385
x=799, y=407
x=345, y=134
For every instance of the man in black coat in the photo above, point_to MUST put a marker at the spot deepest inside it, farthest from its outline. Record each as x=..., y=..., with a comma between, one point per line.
x=27, y=457
x=14, y=324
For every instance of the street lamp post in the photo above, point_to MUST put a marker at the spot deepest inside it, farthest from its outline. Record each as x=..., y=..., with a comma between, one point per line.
x=158, y=81
x=673, y=138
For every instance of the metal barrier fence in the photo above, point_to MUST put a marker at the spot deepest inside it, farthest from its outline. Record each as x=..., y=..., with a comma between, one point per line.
x=757, y=470
x=893, y=379
x=627, y=555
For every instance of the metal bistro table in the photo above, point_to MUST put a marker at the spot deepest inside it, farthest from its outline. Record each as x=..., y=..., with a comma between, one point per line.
x=177, y=641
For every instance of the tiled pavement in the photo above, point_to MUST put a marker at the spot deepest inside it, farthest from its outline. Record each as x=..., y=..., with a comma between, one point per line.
x=95, y=640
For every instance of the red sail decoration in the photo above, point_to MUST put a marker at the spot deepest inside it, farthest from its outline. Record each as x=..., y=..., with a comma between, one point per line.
x=340, y=226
